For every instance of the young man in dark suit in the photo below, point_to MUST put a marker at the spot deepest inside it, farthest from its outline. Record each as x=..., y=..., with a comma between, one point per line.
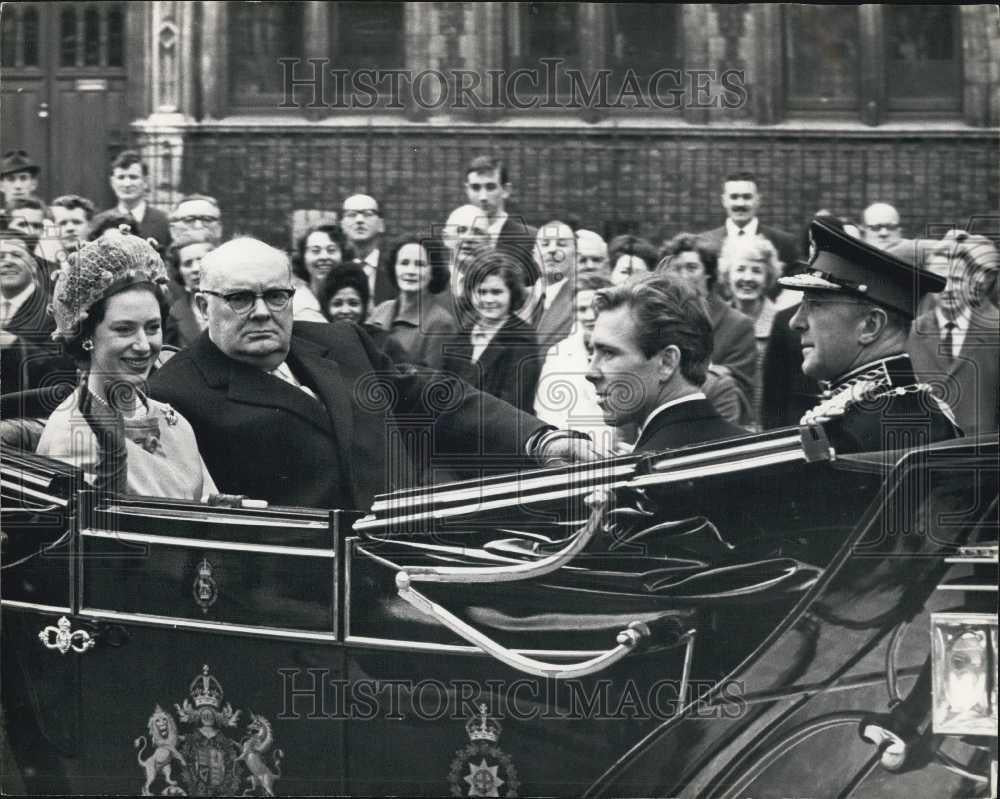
x=487, y=186
x=741, y=199
x=651, y=343
x=130, y=182
x=956, y=344
x=306, y=417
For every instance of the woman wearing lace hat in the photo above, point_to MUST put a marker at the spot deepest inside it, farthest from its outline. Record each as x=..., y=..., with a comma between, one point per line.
x=108, y=317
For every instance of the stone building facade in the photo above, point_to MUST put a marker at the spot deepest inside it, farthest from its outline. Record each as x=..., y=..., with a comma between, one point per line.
x=263, y=106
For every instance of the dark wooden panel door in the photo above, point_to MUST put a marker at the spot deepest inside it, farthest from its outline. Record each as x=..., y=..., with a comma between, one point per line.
x=25, y=114
x=88, y=96
x=64, y=91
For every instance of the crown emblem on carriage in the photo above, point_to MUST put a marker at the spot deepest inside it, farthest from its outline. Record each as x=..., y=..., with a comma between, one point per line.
x=206, y=690
x=483, y=727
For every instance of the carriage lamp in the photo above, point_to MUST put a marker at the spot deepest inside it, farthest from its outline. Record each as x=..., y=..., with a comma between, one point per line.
x=964, y=673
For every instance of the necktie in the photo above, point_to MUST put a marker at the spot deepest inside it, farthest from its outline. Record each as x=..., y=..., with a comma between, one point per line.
x=742, y=232
x=285, y=374
x=5, y=306
x=948, y=340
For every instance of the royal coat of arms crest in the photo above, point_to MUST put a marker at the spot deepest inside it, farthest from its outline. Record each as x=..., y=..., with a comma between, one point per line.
x=207, y=760
x=482, y=768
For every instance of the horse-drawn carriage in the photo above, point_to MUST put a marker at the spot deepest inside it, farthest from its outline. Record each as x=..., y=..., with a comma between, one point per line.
x=757, y=617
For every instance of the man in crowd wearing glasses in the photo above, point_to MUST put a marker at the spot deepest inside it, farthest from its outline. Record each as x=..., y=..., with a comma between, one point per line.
x=880, y=222
x=304, y=415
x=361, y=219
x=196, y=212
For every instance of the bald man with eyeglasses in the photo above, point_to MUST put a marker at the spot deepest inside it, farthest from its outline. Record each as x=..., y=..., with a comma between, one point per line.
x=303, y=413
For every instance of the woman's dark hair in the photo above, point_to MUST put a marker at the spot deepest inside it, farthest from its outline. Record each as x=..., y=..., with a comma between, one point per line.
x=95, y=315
x=437, y=256
x=345, y=276
x=172, y=257
x=627, y=244
x=336, y=234
x=507, y=268
x=690, y=242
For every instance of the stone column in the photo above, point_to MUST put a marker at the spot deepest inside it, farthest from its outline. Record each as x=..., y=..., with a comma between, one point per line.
x=170, y=78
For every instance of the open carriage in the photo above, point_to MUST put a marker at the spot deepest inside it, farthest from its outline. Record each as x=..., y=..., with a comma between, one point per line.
x=757, y=617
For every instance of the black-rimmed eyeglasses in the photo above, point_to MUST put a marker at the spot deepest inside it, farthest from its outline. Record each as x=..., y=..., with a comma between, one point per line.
x=243, y=301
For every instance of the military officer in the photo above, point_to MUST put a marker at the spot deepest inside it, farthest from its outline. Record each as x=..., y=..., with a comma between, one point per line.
x=854, y=321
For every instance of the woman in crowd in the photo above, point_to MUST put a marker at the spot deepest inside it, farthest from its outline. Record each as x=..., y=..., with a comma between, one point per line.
x=344, y=297
x=320, y=250
x=108, y=313
x=417, y=319
x=499, y=354
x=185, y=322
x=749, y=268
x=630, y=256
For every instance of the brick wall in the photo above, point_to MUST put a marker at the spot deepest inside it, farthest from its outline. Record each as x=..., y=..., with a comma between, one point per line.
x=654, y=182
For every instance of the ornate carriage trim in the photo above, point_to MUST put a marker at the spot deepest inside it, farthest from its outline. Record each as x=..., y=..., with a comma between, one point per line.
x=482, y=768
x=205, y=761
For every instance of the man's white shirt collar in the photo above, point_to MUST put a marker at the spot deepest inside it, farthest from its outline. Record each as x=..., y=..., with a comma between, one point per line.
x=697, y=395
x=17, y=301
x=961, y=322
x=138, y=213
x=750, y=228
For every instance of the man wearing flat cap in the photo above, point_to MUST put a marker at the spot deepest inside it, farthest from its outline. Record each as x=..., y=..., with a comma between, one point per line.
x=18, y=175
x=854, y=321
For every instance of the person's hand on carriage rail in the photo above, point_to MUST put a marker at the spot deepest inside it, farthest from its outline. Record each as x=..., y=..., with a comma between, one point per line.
x=552, y=447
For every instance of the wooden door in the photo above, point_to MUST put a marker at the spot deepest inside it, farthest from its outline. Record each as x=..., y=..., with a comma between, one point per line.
x=24, y=87
x=64, y=91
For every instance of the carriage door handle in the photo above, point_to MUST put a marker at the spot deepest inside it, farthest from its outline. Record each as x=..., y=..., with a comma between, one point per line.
x=63, y=638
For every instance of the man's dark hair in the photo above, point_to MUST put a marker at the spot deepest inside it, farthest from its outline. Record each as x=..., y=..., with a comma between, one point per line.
x=742, y=175
x=691, y=242
x=627, y=244
x=336, y=234
x=666, y=312
x=73, y=201
x=487, y=163
x=437, y=257
x=128, y=158
x=345, y=276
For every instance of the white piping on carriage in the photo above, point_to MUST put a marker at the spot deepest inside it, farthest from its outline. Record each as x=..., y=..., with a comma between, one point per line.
x=210, y=518
x=61, y=501
x=590, y=471
x=201, y=543
x=14, y=603
x=23, y=475
x=174, y=621
x=660, y=478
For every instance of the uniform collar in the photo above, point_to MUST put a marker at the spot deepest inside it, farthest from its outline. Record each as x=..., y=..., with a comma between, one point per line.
x=893, y=370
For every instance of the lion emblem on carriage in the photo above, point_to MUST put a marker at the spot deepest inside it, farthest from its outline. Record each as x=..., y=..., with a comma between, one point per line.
x=206, y=760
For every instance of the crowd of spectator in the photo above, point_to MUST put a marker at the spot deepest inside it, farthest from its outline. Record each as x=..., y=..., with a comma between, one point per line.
x=507, y=305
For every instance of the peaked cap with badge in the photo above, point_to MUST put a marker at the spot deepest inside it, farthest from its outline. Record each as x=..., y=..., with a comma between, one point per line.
x=880, y=405
x=845, y=264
